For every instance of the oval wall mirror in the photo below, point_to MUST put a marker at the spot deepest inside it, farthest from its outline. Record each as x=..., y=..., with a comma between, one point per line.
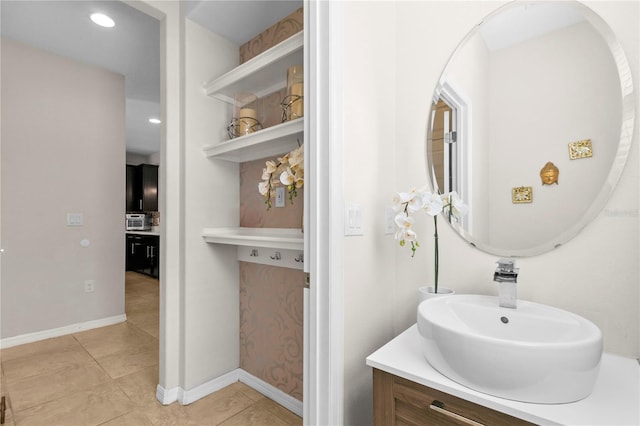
x=534, y=83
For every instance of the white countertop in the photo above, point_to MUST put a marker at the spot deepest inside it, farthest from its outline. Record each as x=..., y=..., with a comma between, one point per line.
x=614, y=401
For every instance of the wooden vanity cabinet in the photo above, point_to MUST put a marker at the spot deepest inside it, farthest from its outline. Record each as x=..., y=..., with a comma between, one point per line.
x=397, y=401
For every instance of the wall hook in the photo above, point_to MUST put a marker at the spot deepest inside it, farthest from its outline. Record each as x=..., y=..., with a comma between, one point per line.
x=276, y=256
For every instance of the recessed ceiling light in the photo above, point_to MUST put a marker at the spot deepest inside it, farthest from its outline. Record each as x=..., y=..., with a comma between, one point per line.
x=102, y=20
x=155, y=121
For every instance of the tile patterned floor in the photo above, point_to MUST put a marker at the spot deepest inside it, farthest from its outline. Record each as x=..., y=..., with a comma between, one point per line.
x=107, y=376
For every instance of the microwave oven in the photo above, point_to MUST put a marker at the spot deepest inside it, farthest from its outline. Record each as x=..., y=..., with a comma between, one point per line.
x=137, y=222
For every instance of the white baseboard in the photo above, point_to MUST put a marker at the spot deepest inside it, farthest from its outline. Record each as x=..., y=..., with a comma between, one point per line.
x=167, y=396
x=271, y=392
x=192, y=395
x=186, y=397
x=61, y=331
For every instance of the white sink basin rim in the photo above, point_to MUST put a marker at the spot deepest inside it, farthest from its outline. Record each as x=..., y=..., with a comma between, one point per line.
x=535, y=353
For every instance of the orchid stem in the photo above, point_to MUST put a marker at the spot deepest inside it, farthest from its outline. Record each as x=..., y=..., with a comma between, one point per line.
x=435, y=254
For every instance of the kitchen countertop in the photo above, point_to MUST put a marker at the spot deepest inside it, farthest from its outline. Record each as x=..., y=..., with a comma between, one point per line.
x=614, y=401
x=152, y=231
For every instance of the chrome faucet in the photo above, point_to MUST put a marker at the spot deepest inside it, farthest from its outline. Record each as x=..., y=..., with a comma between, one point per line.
x=506, y=275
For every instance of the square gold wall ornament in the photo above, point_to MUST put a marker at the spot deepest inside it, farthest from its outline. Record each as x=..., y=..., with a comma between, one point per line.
x=522, y=194
x=580, y=149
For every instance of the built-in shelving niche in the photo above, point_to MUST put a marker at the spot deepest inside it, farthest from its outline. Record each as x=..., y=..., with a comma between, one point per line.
x=261, y=75
x=270, y=268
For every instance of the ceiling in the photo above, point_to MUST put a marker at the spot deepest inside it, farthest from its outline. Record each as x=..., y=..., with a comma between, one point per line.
x=527, y=21
x=132, y=47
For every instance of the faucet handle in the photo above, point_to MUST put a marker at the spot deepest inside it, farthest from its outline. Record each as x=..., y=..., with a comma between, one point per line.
x=506, y=264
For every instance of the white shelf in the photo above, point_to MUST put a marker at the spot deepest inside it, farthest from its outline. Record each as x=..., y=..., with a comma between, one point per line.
x=268, y=142
x=276, y=238
x=262, y=74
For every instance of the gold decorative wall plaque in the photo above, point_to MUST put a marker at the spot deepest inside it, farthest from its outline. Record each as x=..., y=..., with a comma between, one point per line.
x=549, y=174
x=521, y=194
x=580, y=149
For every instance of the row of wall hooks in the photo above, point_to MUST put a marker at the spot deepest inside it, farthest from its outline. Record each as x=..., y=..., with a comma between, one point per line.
x=277, y=255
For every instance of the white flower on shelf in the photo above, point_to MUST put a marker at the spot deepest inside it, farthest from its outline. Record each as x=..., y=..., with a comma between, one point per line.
x=290, y=172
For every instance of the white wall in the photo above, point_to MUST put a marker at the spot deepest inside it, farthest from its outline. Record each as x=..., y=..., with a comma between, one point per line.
x=370, y=146
x=211, y=198
x=63, y=151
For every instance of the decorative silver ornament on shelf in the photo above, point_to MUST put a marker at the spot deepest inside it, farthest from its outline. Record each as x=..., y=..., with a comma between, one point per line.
x=245, y=115
x=290, y=107
x=242, y=126
x=293, y=105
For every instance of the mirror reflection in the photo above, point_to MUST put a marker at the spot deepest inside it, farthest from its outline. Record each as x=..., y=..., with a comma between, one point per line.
x=527, y=87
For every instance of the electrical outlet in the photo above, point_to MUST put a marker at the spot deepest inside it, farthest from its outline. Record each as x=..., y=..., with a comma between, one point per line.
x=89, y=286
x=280, y=196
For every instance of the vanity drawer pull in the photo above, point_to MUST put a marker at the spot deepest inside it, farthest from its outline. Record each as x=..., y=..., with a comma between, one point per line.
x=439, y=407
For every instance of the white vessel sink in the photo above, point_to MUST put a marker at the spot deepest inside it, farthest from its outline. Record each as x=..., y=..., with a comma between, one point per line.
x=534, y=353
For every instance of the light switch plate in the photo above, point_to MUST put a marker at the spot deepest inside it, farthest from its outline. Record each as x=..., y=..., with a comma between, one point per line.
x=74, y=219
x=353, y=220
x=280, y=196
x=389, y=220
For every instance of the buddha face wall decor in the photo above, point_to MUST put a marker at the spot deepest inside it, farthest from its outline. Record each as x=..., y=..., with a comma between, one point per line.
x=549, y=174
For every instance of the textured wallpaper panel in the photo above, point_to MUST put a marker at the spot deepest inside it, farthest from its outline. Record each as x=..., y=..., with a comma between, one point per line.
x=271, y=325
x=271, y=298
x=273, y=35
x=253, y=210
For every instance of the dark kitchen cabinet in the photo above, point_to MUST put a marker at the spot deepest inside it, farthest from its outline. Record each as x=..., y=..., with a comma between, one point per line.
x=131, y=177
x=143, y=254
x=142, y=188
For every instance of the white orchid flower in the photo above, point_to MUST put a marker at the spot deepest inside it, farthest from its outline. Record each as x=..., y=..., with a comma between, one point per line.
x=283, y=161
x=271, y=166
x=263, y=188
x=404, y=224
x=293, y=177
x=457, y=208
x=404, y=235
x=296, y=157
x=405, y=197
x=287, y=178
x=412, y=200
x=298, y=170
x=418, y=202
x=432, y=204
x=403, y=221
